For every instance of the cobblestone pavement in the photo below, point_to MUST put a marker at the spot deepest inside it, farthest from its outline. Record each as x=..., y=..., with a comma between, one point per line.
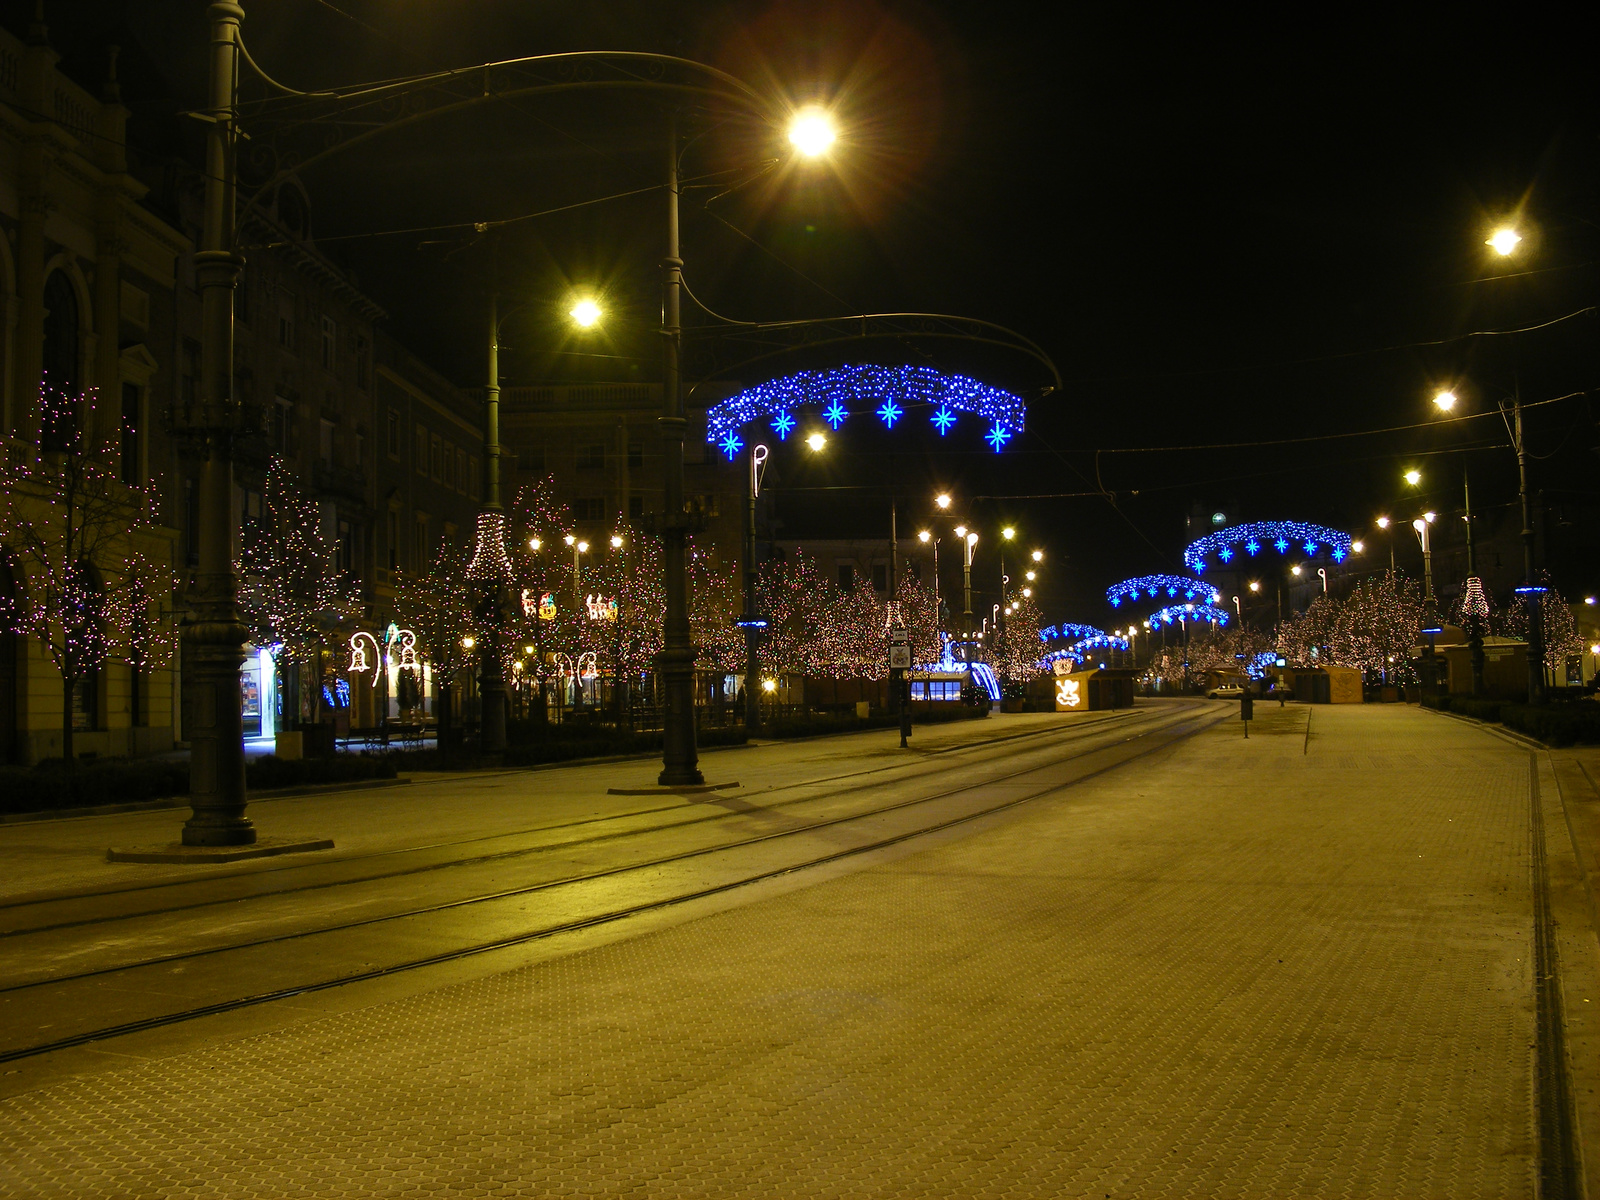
x=1296, y=965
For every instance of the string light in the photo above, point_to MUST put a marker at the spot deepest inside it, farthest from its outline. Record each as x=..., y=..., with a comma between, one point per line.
x=1051, y=633
x=892, y=391
x=1186, y=613
x=1280, y=535
x=490, y=563
x=1152, y=586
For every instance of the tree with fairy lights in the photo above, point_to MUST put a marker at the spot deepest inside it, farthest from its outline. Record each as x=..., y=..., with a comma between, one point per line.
x=92, y=586
x=1375, y=628
x=1561, y=638
x=796, y=597
x=1018, y=659
x=292, y=594
x=438, y=605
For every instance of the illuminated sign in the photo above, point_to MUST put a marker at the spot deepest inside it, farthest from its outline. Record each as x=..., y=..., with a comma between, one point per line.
x=1067, y=694
x=600, y=608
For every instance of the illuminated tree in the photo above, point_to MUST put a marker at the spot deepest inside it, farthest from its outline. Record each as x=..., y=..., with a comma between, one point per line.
x=89, y=589
x=1018, y=660
x=437, y=605
x=292, y=595
x=1561, y=639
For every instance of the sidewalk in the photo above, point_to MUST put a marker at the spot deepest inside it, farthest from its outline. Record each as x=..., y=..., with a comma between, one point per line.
x=1298, y=965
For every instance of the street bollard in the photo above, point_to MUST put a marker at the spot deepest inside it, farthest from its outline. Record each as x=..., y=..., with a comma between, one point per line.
x=1247, y=711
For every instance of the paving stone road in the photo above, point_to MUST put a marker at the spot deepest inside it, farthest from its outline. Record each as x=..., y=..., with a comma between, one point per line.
x=1288, y=966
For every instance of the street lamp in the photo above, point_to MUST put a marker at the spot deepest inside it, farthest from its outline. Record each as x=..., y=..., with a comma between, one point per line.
x=1444, y=400
x=586, y=313
x=1413, y=477
x=1503, y=241
x=925, y=536
x=943, y=501
x=812, y=132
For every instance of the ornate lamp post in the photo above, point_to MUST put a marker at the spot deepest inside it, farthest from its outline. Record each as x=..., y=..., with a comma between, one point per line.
x=213, y=720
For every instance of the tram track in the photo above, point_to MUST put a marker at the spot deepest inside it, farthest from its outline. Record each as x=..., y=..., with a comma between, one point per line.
x=258, y=884
x=120, y=989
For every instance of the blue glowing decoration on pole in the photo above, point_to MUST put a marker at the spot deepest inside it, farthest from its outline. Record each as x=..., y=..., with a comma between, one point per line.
x=890, y=412
x=1076, y=651
x=839, y=392
x=1182, y=613
x=1253, y=537
x=944, y=418
x=783, y=425
x=998, y=437
x=731, y=445
x=1176, y=587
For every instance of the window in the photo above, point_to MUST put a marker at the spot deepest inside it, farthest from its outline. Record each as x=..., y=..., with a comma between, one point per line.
x=130, y=433
x=282, y=426
x=422, y=450
x=61, y=333
x=422, y=543
x=361, y=449
x=393, y=539
x=936, y=689
x=847, y=577
x=325, y=445
x=449, y=465
x=286, y=323
x=589, y=508
x=592, y=458
x=250, y=512
x=436, y=459
x=880, y=577
x=363, y=368
x=461, y=469
x=635, y=507
x=531, y=460
x=392, y=433
x=330, y=342
x=344, y=548
x=472, y=477
x=635, y=456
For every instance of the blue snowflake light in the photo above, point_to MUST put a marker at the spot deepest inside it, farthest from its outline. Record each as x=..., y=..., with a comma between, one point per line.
x=1173, y=585
x=1255, y=536
x=998, y=437
x=1079, y=649
x=890, y=412
x=1051, y=633
x=944, y=418
x=731, y=445
x=783, y=424
x=864, y=388
x=1187, y=612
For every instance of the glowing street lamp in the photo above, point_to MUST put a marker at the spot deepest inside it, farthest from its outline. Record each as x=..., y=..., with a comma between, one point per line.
x=1444, y=401
x=942, y=500
x=586, y=313
x=534, y=543
x=1413, y=477
x=1038, y=556
x=816, y=441
x=616, y=541
x=812, y=132
x=1503, y=241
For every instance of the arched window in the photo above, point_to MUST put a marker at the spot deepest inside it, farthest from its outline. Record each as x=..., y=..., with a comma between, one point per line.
x=58, y=422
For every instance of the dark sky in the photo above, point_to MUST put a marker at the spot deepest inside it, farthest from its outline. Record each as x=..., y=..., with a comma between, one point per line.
x=1221, y=230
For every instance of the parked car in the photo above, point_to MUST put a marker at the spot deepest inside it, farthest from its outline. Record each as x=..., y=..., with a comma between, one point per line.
x=1226, y=691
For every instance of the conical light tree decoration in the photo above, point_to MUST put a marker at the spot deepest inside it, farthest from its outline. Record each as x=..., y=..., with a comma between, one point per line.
x=91, y=585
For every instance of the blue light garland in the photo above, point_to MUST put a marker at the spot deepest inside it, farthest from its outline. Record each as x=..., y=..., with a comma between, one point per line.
x=1280, y=535
x=1185, y=613
x=890, y=391
x=1051, y=633
x=1173, y=587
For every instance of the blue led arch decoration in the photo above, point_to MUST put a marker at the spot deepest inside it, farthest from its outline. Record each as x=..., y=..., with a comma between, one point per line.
x=1067, y=629
x=1244, y=542
x=1162, y=588
x=887, y=392
x=1179, y=613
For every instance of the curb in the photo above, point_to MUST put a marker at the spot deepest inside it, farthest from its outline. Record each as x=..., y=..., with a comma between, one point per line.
x=169, y=802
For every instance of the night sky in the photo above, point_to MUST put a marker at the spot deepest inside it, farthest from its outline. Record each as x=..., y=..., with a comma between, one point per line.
x=1223, y=232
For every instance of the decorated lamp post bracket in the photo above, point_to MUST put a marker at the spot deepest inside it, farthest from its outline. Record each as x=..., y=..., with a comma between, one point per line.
x=889, y=393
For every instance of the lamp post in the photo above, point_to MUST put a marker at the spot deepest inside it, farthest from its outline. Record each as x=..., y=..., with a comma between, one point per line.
x=751, y=620
x=212, y=630
x=925, y=537
x=1430, y=622
x=490, y=569
x=1445, y=401
x=578, y=547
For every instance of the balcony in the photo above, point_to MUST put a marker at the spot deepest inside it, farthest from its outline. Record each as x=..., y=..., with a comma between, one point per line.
x=345, y=483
